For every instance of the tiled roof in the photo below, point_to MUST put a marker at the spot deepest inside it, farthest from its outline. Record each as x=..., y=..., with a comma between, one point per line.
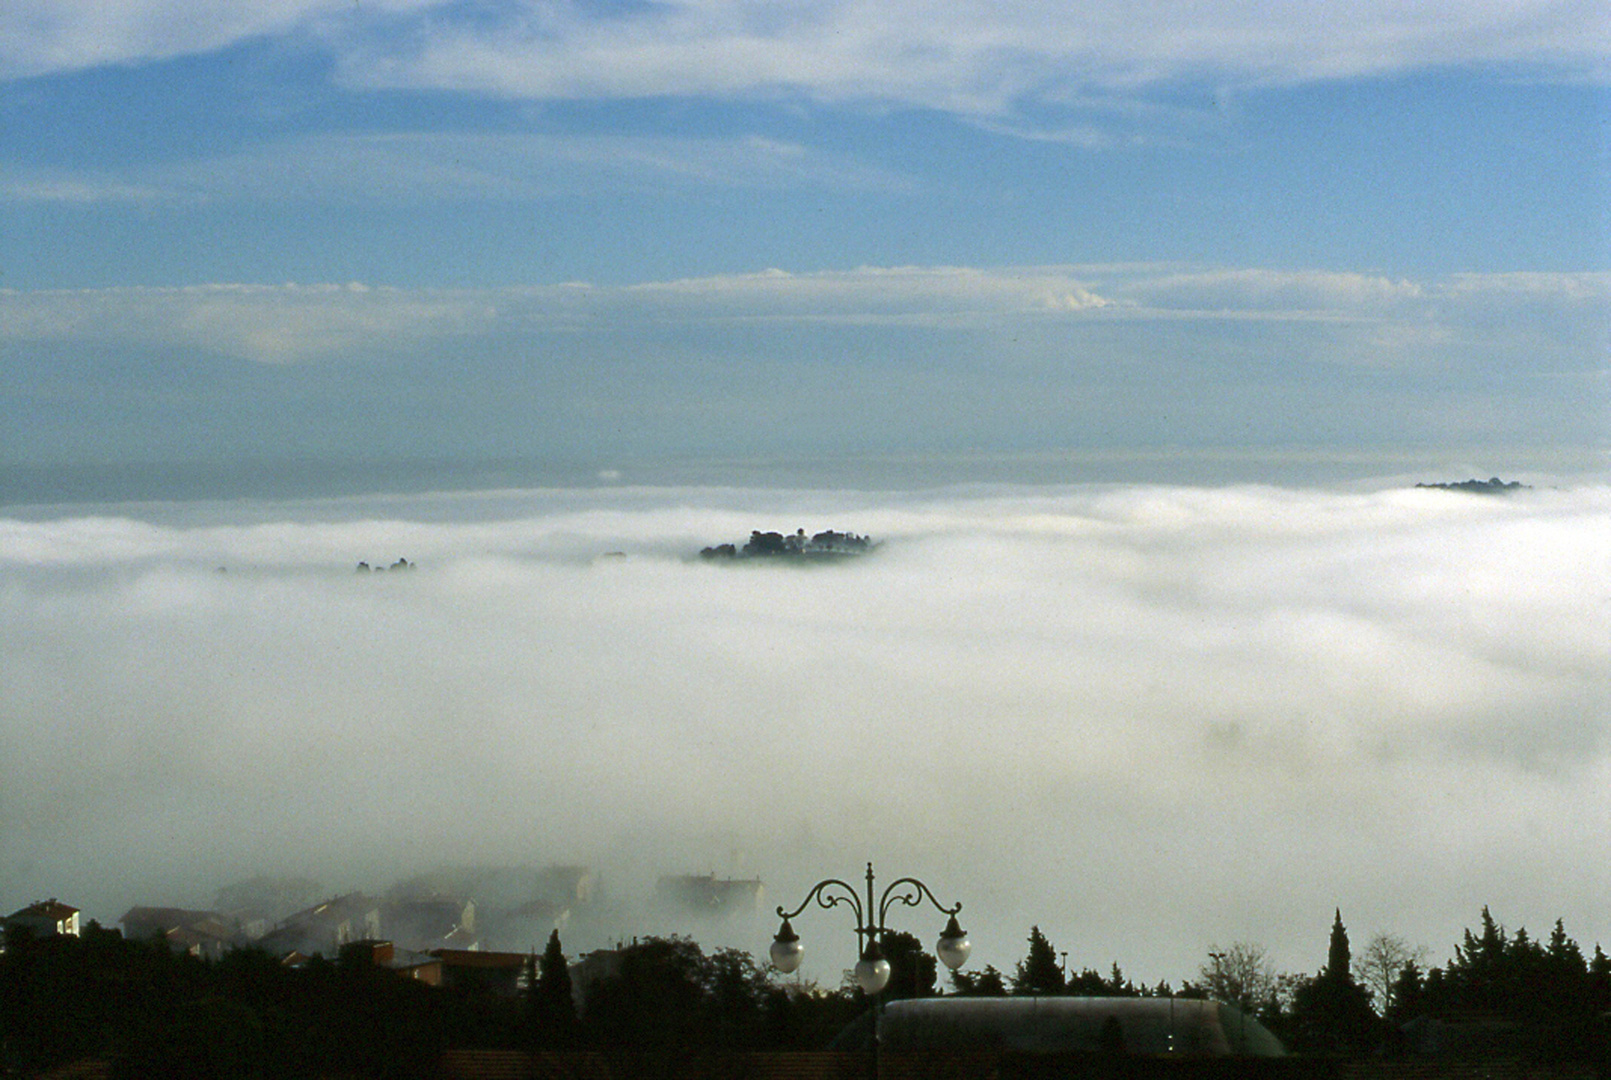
x=48, y=909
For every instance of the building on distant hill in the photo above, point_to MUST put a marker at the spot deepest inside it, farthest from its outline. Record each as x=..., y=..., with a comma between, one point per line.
x=431, y=923
x=323, y=929
x=528, y=925
x=567, y=886
x=421, y=967
x=706, y=894
x=205, y=934
x=44, y=918
x=260, y=903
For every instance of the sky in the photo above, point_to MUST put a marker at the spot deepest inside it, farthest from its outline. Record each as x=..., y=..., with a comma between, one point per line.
x=1129, y=326
x=610, y=236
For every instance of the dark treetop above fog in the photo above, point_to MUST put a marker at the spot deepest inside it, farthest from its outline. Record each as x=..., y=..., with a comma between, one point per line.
x=1491, y=486
x=771, y=545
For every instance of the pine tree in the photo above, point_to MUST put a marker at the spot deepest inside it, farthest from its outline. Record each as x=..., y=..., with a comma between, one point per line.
x=1406, y=998
x=1038, y=972
x=987, y=983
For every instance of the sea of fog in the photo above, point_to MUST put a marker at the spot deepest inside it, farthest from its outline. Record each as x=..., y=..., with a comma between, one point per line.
x=1151, y=719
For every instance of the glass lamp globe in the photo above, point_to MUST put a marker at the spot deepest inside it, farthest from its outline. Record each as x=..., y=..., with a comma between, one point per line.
x=953, y=946
x=786, y=949
x=872, y=971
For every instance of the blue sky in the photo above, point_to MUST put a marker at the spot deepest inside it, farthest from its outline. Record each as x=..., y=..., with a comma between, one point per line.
x=626, y=233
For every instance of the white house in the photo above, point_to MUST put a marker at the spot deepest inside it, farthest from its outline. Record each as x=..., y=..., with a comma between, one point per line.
x=45, y=918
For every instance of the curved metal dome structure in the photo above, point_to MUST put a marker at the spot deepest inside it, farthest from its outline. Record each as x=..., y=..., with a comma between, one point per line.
x=1155, y=1027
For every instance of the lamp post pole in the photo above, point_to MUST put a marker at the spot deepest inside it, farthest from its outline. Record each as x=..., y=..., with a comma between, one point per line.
x=872, y=970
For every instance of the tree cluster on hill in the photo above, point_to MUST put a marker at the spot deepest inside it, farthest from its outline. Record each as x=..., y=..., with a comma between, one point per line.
x=769, y=545
x=1492, y=486
x=400, y=564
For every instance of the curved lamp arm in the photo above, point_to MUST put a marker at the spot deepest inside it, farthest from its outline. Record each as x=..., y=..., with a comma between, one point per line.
x=912, y=893
x=786, y=951
x=953, y=946
x=952, y=949
x=826, y=899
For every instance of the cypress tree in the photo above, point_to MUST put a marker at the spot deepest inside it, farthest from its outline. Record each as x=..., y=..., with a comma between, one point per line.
x=1338, y=956
x=1331, y=1012
x=553, y=1009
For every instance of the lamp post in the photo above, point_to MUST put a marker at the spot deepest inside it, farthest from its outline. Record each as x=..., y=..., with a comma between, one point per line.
x=872, y=970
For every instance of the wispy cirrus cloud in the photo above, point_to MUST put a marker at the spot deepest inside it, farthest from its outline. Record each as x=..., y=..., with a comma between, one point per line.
x=964, y=57
x=45, y=36
x=958, y=56
x=406, y=168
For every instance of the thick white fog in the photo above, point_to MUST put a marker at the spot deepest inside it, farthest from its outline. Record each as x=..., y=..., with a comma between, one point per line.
x=1149, y=719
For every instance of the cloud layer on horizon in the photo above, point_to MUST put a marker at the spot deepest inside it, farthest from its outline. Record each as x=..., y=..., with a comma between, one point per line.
x=780, y=365
x=1147, y=718
x=299, y=323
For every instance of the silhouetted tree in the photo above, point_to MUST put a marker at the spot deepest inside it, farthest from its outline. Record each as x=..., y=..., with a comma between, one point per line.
x=552, y=1006
x=1546, y=996
x=656, y=1001
x=913, y=972
x=1331, y=1012
x=987, y=983
x=1240, y=975
x=1090, y=983
x=1038, y=972
x=1406, y=999
x=1385, y=957
x=738, y=991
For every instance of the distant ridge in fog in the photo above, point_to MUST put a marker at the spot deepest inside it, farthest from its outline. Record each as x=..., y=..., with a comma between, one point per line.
x=1491, y=486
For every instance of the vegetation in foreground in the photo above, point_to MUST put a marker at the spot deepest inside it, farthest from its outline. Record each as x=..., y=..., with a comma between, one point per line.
x=149, y=1011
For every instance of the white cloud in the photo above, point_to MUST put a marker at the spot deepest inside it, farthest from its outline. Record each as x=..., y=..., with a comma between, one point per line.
x=44, y=36
x=1588, y=289
x=1249, y=290
x=967, y=57
x=1146, y=718
x=267, y=323
x=34, y=186
x=411, y=168
x=308, y=322
x=956, y=55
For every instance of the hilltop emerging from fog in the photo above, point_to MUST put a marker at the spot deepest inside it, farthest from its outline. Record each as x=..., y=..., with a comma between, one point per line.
x=771, y=545
x=1491, y=486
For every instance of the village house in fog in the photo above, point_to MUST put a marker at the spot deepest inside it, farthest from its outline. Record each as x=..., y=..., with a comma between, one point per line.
x=44, y=918
x=438, y=922
x=323, y=929
x=405, y=963
x=205, y=934
x=708, y=895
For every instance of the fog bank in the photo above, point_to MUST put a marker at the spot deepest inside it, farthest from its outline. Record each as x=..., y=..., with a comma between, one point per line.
x=1149, y=719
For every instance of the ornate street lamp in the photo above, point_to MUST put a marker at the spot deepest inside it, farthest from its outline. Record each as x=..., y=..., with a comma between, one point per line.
x=872, y=970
